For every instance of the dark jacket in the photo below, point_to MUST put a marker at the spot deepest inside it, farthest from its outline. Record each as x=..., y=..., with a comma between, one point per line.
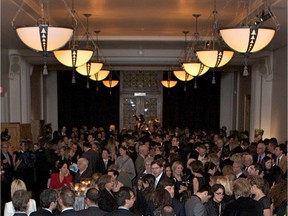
x=106, y=201
x=86, y=174
x=91, y=211
x=100, y=166
x=119, y=212
x=70, y=212
x=41, y=212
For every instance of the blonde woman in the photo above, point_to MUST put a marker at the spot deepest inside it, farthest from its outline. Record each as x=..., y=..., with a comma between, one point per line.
x=227, y=184
x=181, y=182
x=16, y=185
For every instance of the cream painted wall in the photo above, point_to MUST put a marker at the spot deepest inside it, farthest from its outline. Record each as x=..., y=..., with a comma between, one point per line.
x=279, y=96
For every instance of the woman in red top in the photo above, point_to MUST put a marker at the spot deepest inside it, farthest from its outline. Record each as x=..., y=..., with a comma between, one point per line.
x=62, y=178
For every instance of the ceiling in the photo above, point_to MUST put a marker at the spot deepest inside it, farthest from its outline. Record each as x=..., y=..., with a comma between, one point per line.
x=138, y=33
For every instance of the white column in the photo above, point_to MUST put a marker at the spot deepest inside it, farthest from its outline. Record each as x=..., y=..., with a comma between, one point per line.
x=51, y=99
x=19, y=96
x=227, y=93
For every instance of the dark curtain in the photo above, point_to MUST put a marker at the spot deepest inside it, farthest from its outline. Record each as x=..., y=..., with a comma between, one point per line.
x=78, y=106
x=194, y=108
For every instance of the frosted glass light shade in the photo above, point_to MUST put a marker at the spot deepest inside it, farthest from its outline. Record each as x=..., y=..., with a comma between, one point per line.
x=73, y=57
x=89, y=69
x=43, y=37
x=195, y=68
x=110, y=83
x=245, y=39
x=182, y=75
x=214, y=58
x=168, y=83
x=100, y=75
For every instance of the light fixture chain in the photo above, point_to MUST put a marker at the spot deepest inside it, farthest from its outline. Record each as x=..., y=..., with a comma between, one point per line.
x=20, y=8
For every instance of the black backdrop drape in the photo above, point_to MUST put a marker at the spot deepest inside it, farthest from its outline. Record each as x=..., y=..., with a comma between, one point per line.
x=194, y=108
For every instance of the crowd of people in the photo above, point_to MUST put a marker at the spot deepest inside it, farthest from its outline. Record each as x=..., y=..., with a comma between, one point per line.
x=150, y=173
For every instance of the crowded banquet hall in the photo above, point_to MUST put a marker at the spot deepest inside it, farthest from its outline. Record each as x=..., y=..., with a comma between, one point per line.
x=148, y=108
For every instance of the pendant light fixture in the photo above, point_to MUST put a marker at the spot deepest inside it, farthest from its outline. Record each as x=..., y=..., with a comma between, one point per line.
x=73, y=57
x=110, y=83
x=214, y=58
x=169, y=83
x=194, y=68
x=99, y=76
x=250, y=38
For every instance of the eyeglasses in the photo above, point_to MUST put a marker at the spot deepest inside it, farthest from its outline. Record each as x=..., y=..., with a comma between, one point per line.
x=219, y=193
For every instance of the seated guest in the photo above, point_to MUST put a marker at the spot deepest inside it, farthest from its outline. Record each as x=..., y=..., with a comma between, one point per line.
x=91, y=200
x=16, y=185
x=104, y=162
x=243, y=205
x=48, y=202
x=20, y=200
x=83, y=172
x=107, y=200
x=62, y=177
x=66, y=201
x=125, y=199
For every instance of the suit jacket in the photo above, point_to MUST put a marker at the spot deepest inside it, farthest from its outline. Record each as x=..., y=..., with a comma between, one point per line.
x=283, y=163
x=92, y=157
x=20, y=214
x=120, y=212
x=100, y=166
x=178, y=207
x=70, y=212
x=41, y=212
x=86, y=174
x=243, y=206
x=106, y=201
x=161, y=179
x=91, y=211
x=139, y=165
x=195, y=207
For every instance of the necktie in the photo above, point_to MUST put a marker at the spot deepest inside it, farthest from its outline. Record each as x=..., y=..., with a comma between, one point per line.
x=278, y=161
x=259, y=159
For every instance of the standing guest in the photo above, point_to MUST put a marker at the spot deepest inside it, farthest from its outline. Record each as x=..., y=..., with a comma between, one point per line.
x=179, y=179
x=238, y=168
x=260, y=153
x=157, y=171
x=215, y=206
x=281, y=159
x=195, y=205
x=278, y=194
x=271, y=172
x=161, y=197
x=117, y=184
x=91, y=156
x=198, y=179
x=125, y=199
x=107, y=200
x=167, y=210
x=139, y=163
x=16, y=185
x=168, y=184
x=243, y=205
x=61, y=178
x=66, y=201
x=125, y=163
x=255, y=169
x=257, y=185
x=168, y=170
x=48, y=202
x=148, y=169
x=8, y=169
x=83, y=171
x=20, y=200
x=104, y=162
x=91, y=200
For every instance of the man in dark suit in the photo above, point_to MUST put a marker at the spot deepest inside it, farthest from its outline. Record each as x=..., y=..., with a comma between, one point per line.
x=168, y=184
x=91, y=155
x=65, y=201
x=83, y=171
x=91, y=199
x=104, y=162
x=8, y=168
x=157, y=171
x=125, y=199
x=143, y=151
x=20, y=200
x=261, y=147
x=238, y=169
x=48, y=202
